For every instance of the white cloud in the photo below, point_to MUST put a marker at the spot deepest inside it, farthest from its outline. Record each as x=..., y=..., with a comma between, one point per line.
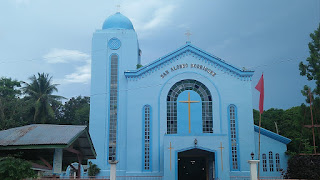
x=82, y=73
x=65, y=56
x=161, y=17
x=149, y=15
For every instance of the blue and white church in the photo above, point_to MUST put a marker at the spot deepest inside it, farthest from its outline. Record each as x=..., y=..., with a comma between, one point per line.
x=186, y=115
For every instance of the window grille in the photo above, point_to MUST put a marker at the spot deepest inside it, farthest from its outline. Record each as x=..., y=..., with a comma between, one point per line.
x=233, y=137
x=206, y=99
x=113, y=108
x=278, y=162
x=147, y=137
x=270, y=161
x=264, y=162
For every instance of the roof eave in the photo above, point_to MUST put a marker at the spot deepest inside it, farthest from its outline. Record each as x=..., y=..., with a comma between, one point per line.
x=187, y=47
x=35, y=146
x=272, y=135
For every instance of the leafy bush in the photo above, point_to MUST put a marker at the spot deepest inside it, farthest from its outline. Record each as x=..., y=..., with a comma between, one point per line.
x=15, y=169
x=304, y=167
x=93, y=169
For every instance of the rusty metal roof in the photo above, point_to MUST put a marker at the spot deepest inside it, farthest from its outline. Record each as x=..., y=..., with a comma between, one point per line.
x=40, y=134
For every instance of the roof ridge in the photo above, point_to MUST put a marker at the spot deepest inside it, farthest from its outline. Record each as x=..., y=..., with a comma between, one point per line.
x=196, y=52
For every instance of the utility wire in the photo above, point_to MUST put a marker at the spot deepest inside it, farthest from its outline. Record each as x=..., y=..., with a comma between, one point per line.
x=42, y=58
x=143, y=87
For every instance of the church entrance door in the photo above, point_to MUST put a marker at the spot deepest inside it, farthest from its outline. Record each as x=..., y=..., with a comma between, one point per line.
x=195, y=164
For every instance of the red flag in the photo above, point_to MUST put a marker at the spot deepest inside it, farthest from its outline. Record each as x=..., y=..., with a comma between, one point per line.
x=260, y=88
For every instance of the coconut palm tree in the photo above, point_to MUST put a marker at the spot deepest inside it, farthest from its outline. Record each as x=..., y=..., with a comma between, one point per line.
x=39, y=92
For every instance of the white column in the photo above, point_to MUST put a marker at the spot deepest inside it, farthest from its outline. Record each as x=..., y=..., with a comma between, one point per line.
x=253, y=169
x=57, y=161
x=113, y=169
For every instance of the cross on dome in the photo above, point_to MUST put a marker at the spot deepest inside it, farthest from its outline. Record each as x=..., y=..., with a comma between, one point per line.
x=118, y=7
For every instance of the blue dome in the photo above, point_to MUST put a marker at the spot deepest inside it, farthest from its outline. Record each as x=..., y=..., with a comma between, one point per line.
x=117, y=21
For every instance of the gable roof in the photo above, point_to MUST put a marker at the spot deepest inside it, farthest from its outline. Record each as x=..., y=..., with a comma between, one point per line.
x=272, y=135
x=189, y=50
x=36, y=139
x=40, y=134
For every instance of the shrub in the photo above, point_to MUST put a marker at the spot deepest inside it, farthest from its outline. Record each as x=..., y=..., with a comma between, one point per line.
x=93, y=169
x=303, y=167
x=15, y=169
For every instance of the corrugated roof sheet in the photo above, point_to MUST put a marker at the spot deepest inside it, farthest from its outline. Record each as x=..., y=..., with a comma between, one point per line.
x=40, y=134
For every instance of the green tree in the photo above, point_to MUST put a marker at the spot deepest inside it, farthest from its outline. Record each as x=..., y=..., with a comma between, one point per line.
x=8, y=95
x=12, y=108
x=312, y=71
x=39, y=92
x=312, y=68
x=15, y=169
x=75, y=111
x=290, y=124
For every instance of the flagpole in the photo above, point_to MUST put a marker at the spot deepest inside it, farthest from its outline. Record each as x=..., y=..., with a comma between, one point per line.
x=259, y=147
x=260, y=88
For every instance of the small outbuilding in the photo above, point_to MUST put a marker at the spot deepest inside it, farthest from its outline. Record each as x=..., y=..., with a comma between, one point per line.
x=57, y=146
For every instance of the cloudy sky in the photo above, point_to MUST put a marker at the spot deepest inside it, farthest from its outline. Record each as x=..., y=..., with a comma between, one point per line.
x=269, y=36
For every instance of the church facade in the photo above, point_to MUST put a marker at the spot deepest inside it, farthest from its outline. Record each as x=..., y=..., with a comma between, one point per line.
x=186, y=115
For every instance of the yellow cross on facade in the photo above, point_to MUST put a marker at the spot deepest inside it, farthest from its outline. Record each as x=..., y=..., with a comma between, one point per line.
x=221, y=155
x=170, y=154
x=189, y=108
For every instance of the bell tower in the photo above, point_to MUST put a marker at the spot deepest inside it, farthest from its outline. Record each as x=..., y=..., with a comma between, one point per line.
x=115, y=49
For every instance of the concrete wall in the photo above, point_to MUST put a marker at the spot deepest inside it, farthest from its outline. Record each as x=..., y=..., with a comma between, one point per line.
x=226, y=87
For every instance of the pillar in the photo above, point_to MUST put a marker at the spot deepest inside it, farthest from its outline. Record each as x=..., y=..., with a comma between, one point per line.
x=113, y=169
x=253, y=169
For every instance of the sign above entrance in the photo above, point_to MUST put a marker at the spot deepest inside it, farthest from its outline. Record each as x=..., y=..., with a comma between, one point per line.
x=183, y=66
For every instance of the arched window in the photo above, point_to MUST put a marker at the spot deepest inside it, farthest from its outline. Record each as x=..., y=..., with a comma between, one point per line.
x=264, y=162
x=233, y=136
x=147, y=134
x=278, y=162
x=270, y=161
x=113, y=111
x=203, y=91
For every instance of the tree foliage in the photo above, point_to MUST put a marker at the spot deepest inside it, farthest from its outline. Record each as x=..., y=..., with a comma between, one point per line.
x=139, y=66
x=312, y=68
x=13, y=109
x=39, y=92
x=312, y=71
x=12, y=168
x=8, y=94
x=75, y=111
x=35, y=103
x=290, y=124
x=93, y=169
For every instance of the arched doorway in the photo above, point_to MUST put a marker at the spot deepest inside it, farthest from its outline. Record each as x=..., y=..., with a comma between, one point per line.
x=196, y=164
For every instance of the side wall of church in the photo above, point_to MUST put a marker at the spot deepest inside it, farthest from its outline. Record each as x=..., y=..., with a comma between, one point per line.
x=275, y=147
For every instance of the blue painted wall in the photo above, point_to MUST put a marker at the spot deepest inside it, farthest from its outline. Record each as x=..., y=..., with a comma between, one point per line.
x=150, y=85
x=195, y=114
x=100, y=93
x=268, y=144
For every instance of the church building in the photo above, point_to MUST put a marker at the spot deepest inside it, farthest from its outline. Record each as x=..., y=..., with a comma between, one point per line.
x=186, y=115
